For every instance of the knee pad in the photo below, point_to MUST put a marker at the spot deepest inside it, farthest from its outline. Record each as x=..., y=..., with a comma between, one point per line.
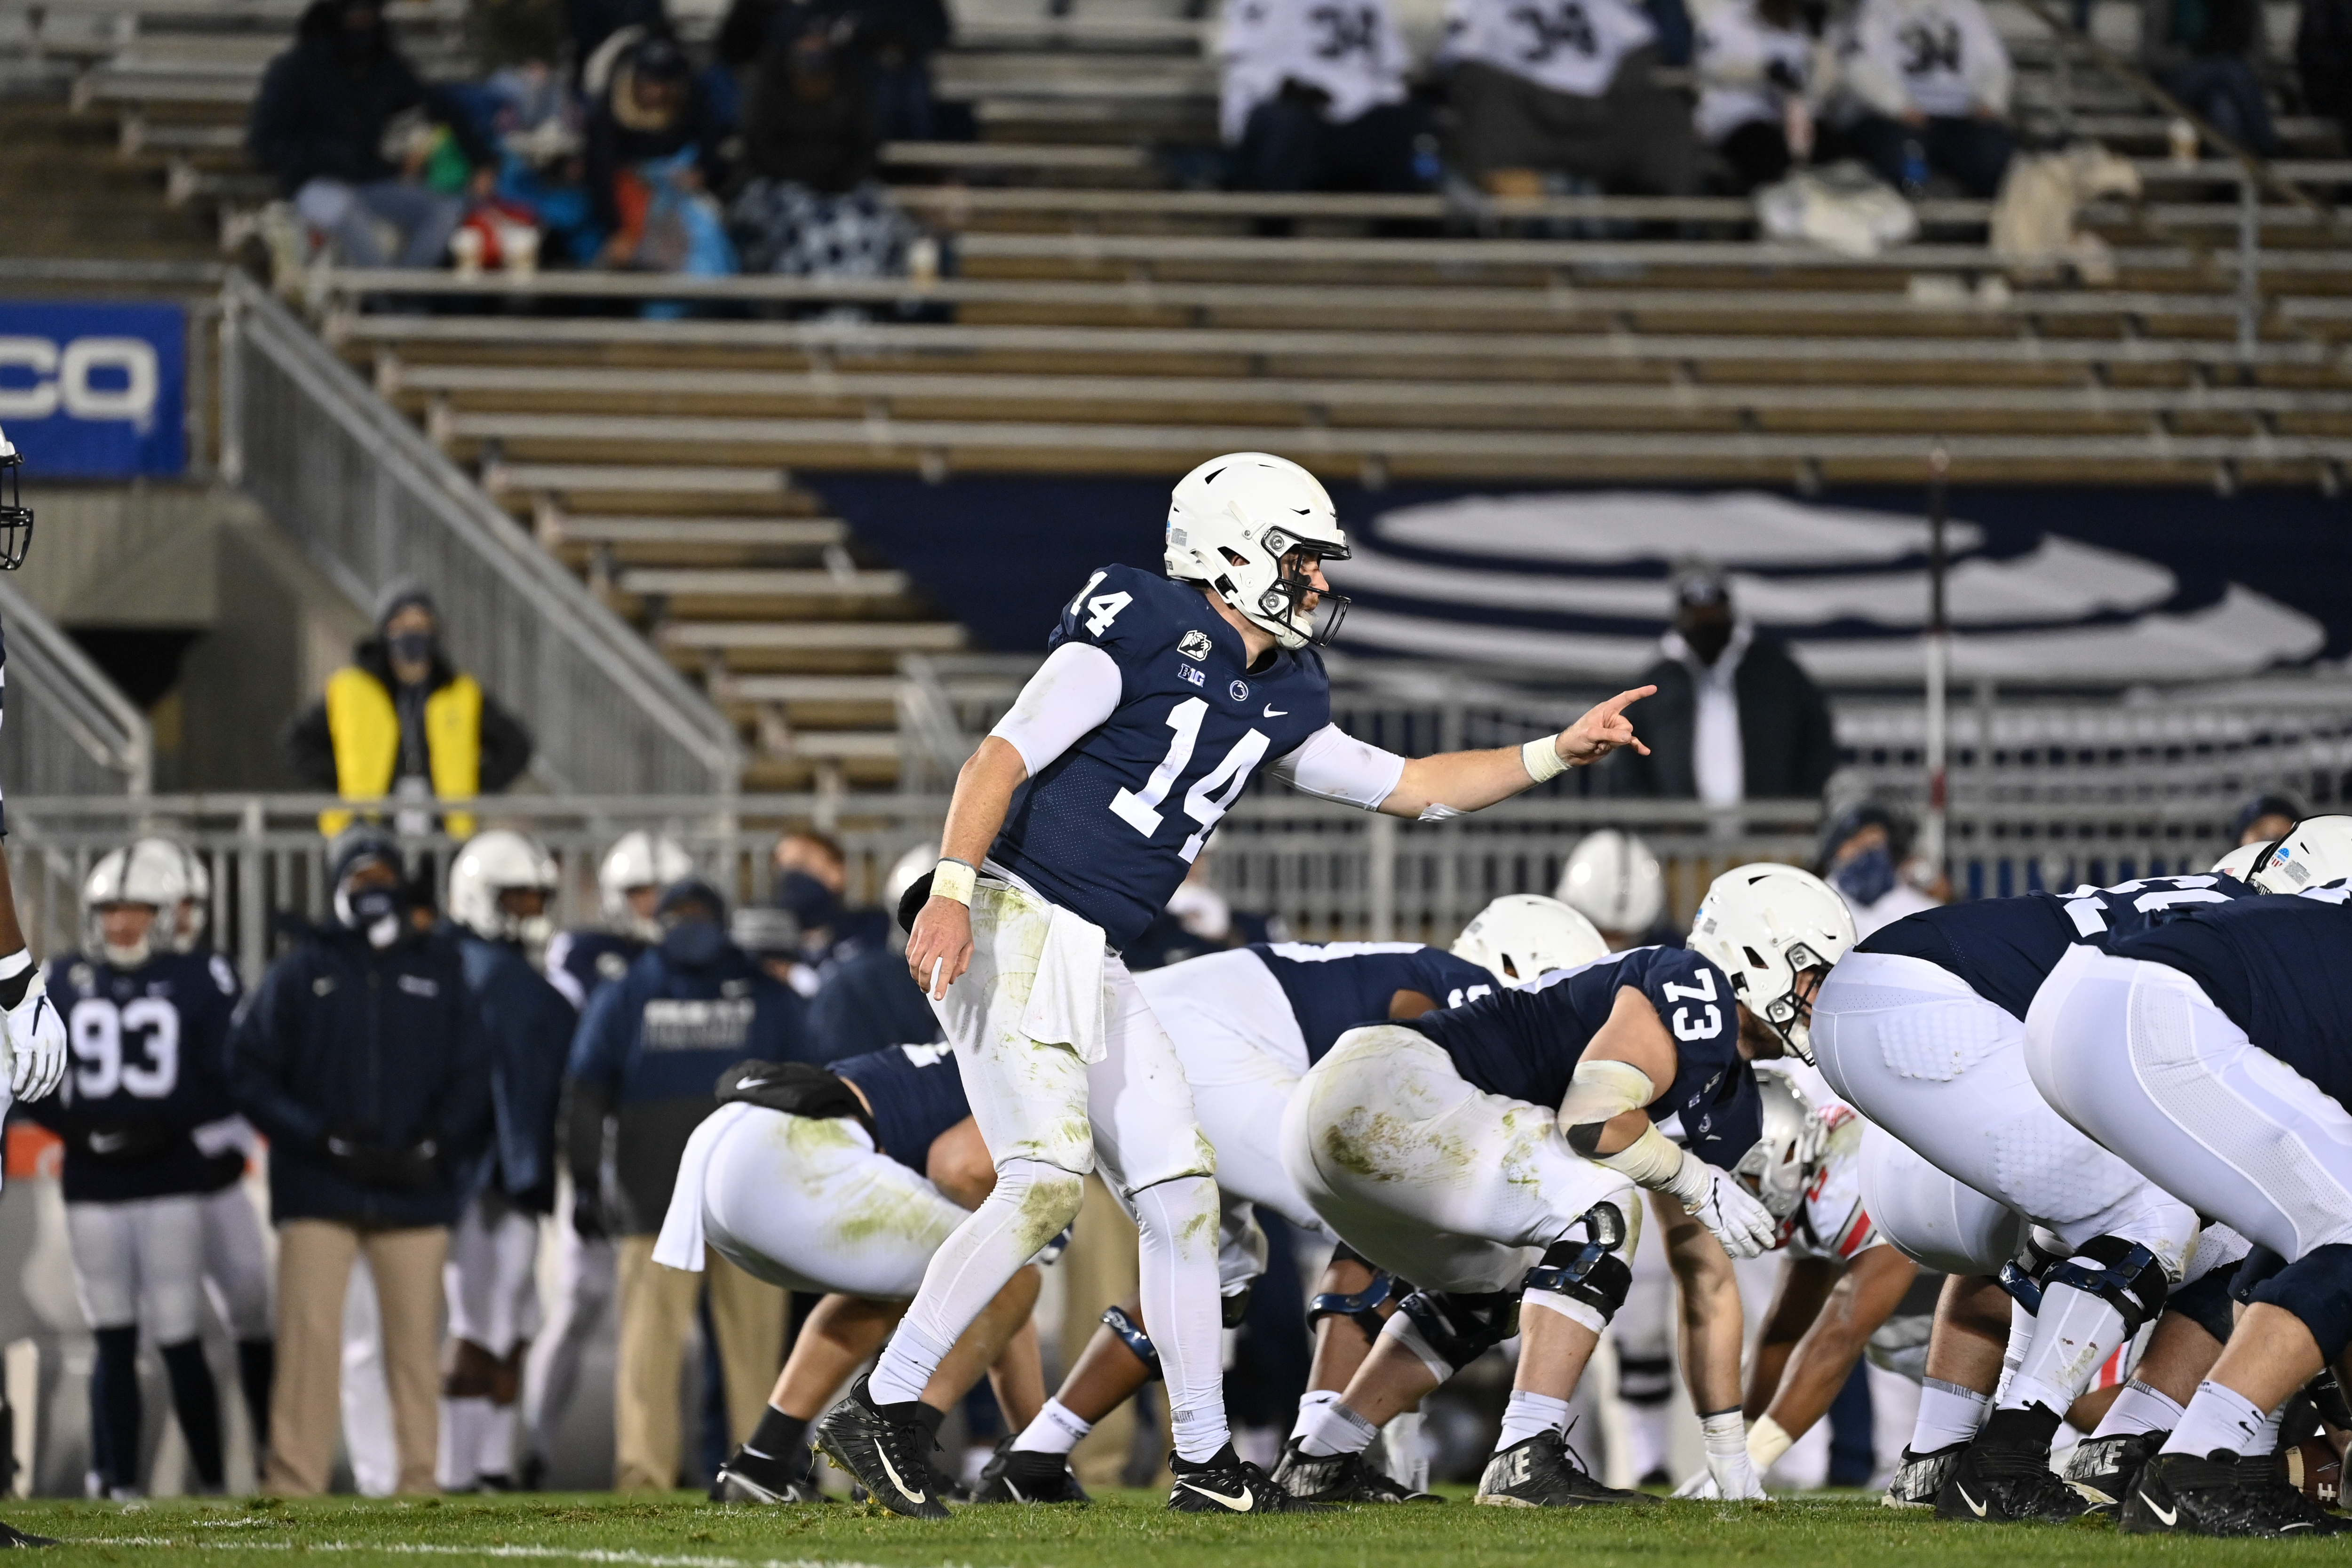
x=1589, y=1272
x=2127, y=1277
x=1363, y=1308
x=1449, y=1330
x=2205, y=1303
x=2317, y=1288
x=1138, y=1343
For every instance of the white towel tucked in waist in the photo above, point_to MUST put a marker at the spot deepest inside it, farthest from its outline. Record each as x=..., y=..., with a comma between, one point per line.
x=680, y=1246
x=1068, y=1002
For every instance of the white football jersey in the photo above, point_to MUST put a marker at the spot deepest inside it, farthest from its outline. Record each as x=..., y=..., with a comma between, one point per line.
x=1736, y=52
x=1351, y=49
x=1940, y=57
x=1568, y=45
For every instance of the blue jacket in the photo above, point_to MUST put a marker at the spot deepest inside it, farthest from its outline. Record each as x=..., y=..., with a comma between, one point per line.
x=382, y=1047
x=648, y=1054
x=529, y=1025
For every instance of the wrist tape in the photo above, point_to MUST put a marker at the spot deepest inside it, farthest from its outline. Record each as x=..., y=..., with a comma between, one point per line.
x=953, y=879
x=1540, y=757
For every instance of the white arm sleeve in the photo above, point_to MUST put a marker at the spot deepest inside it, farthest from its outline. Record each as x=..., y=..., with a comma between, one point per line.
x=1076, y=689
x=1333, y=766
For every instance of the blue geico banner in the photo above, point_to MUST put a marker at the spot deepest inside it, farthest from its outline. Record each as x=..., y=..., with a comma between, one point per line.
x=94, y=391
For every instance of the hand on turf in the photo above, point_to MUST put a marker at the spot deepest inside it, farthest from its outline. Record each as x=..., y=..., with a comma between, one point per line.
x=1700, y=1486
x=1745, y=1226
x=1731, y=1477
x=939, y=949
x=1604, y=729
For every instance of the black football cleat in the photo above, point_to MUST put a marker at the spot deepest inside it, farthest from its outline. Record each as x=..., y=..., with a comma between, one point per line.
x=10, y=1536
x=761, y=1479
x=1340, y=1477
x=2008, y=1485
x=1543, y=1472
x=1018, y=1475
x=2101, y=1469
x=2221, y=1494
x=1920, y=1477
x=888, y=1448
x=1227, y=1484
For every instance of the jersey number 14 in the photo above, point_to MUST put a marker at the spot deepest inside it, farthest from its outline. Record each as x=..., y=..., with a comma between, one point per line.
x=1203, y=803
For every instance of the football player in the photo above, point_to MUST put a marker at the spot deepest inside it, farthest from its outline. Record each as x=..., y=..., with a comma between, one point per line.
x=842, y=1180
x=149, y=1130
x=500, y=886
x=2207, y=1049
x=1246, y=1026
x=1612, y=878
x=1490, y=1154
x=1069, y=828
x=629, y=881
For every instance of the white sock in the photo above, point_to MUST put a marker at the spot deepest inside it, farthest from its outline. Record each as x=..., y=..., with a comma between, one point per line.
x=1334, y=1430
x=1309, y=1402
x=973, y=1265
x=2216, y=1419
x=1530, y=1415
x=1647, y=1434
x=461, y=1442
x=2266, y=1441
x=1055, y=1431
x=2073, y=1332
x=2139, y=1408
x=1949, y=1414
x=498, y=1441
x=1177, y=1226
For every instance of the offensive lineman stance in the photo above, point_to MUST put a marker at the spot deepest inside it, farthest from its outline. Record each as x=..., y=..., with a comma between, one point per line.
x=1246, y=1024
x=1069, y=829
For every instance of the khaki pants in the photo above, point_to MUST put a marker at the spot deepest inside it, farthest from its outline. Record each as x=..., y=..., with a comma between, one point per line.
x=656, y=1309
x=314, y=1272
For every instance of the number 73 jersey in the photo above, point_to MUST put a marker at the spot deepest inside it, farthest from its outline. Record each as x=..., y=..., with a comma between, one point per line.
x=1110, y=827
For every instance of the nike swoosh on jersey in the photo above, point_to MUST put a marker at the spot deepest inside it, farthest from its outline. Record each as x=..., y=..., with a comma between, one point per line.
x=1979, y=1509
x=2169, y=1516
x=1241, y=1502
x=1273, y=712
x=904, y=1490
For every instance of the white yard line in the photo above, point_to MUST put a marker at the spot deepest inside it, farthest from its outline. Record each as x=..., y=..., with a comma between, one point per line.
x=625, y=1559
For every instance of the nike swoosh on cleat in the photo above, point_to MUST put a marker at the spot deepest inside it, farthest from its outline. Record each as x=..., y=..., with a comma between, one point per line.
x=2169, y=1516
x=1974, y=1507
x=1273, y=712
x=903, y=1490
x=1241, y=1502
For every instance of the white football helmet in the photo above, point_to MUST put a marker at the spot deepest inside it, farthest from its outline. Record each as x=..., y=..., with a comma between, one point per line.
x=152, y=871
x=2240, y=862
x=1763, y=924
x=1230, y=523
x=1521, y=936
x=639, y=859
x=1781, y=1165
x=1614, y=879
x=907, y=870
x=2317, y=852
x=494, y=862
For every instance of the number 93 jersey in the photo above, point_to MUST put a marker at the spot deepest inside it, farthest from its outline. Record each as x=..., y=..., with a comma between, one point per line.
x=1109, y=826
x=149, y=1064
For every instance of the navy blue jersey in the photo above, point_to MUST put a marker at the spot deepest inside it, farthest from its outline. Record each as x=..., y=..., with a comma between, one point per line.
x=2280, y=967
x=916, y=1093
x=2005, y=947
x=1335, y=987
x=1110, y=827
x=580, y=962
x=1524, y=1041
x=150, y=1066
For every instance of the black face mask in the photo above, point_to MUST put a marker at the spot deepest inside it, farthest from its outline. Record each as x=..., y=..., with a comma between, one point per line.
x=375, y=911
x=410, y=648
x=1706, y=638
x=693, y=943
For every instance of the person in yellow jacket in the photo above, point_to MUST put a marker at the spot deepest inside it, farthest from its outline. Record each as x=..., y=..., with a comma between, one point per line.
x=399, y=721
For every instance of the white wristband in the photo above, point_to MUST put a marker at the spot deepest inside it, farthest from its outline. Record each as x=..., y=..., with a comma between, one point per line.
x=1540, y=757
x=953, y=879
x=1767, y=1441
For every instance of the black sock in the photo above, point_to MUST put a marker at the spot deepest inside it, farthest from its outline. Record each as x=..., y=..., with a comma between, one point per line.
x=115, y=1411
x=2030, y=1428
x=780, y=1440
x=197, y=1400
x=257, y=1369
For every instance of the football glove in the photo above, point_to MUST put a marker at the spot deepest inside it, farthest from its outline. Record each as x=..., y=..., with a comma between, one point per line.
x=37, y=1043
x=1745, y=1226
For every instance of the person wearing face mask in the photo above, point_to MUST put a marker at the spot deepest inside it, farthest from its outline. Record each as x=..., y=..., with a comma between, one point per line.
x=500, y=889
x=1736, y=718
x=1867, y=857
x=645, y=1063
x=400, y=719
x=813, y=886
x=868, y=1000
x=362, y=1058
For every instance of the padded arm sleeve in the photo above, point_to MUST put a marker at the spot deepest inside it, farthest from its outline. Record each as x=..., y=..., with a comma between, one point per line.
x=1598, y=1094
x=1332, y=765
x=1074, y=691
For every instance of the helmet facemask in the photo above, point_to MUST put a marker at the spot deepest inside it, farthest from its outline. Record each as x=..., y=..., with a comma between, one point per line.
x=1787, y=1015
x=1282, y=608
x=15, y=518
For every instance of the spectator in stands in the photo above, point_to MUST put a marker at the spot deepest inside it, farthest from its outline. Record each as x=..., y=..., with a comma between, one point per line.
x=401, y=721
x=1758, y=73
x=654, y=154
x=2323, y=60
x=1313, y=98
x=1932, y=79
x=886, y=44
x=811, y=204
x=644, y=1065
x=319, y=123
x=2268, y=817
x=1565, y=88
x=2203, y=53
x=592, y=22
x=360, y=1057
x=1867, y=857
x=1735, y=718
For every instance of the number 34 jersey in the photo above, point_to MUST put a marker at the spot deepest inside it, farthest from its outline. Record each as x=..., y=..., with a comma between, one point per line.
x=1110, y=826
x=148, y=1068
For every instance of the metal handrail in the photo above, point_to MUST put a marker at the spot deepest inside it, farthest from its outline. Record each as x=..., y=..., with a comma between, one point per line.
x=74, y=728
x=370, y=502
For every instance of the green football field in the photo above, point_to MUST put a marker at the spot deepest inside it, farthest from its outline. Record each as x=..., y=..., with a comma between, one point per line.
x=1127, y=1531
